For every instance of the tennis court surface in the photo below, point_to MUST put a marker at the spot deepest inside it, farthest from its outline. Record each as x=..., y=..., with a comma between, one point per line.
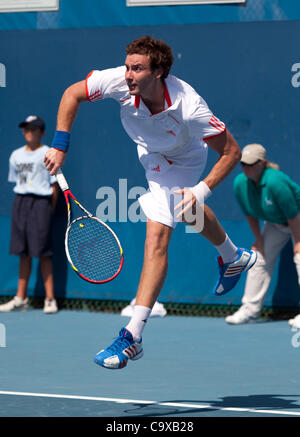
x=192, y=367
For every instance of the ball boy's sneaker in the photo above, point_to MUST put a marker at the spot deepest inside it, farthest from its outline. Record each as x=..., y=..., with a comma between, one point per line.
x=158, y=310
x=50, y=306
x=295, y=322
x=117, y=354
x=230, y=273
x=16, y=304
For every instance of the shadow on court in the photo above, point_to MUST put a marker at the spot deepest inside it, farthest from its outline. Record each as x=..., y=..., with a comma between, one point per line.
x=258, y=401
x=49, y=407
x=255, y=402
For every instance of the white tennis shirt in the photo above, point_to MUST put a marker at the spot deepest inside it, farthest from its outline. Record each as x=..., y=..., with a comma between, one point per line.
x=171, y=144
x=185, y=123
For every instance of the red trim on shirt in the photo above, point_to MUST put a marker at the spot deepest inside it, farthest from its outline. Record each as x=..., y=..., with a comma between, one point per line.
x=169, y=161
x=96, y=96
x=213, y=136
x=137, y=99
x=216, y=123
x=171, y=116
x=167, y=96
x=86, y=87
x=215, y=126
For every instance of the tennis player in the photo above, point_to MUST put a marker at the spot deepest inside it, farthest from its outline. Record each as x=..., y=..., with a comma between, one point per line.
x=173, y=128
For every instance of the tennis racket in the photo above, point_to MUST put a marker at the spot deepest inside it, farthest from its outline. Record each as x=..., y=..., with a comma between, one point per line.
x=92, y=248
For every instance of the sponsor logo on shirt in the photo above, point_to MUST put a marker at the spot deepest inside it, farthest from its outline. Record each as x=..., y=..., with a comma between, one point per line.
x=216, y=123
x=156, y=168
x=171, y=132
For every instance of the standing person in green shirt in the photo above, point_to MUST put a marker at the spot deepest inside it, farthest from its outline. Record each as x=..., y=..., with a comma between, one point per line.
x=266, y=193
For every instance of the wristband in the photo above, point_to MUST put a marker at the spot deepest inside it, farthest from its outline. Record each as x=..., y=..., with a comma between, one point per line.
x=201, y=191
x=61, y=140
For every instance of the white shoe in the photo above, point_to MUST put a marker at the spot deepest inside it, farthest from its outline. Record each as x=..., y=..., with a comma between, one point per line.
x=127, y=311
x=158, y=310
x=295, y=322
x=16, y=304
x=239, y=317
x=50, y=306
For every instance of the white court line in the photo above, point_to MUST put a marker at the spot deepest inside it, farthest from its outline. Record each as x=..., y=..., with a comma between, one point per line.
x=162, y=404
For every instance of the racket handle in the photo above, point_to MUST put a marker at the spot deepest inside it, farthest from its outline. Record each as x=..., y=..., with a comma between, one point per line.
x=61, y=180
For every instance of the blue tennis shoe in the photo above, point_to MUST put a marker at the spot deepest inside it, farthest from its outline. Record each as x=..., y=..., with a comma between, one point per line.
x=117, y=354
x=230, y=273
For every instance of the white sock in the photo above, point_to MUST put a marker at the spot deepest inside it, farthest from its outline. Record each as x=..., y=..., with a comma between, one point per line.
x=138, y=321
x=227, y=250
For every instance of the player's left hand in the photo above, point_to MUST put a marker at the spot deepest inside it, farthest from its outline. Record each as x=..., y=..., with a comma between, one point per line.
x=187, y=205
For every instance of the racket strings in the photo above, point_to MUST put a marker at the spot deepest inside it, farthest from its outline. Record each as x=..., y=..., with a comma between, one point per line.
x=93, y=249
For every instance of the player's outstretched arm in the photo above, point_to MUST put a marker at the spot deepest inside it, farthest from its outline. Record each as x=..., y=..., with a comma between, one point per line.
x=68, y=108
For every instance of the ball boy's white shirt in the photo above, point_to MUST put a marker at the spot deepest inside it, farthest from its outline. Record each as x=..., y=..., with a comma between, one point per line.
x=28, y=171
x=171, y=144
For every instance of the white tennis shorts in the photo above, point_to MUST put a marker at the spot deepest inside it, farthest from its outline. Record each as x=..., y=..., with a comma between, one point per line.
x=164, y=175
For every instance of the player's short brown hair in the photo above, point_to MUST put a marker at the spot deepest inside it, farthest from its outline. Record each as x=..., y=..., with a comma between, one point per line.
x=159, y=52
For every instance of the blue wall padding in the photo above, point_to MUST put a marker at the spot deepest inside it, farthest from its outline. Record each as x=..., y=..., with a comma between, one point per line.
x=243, y=70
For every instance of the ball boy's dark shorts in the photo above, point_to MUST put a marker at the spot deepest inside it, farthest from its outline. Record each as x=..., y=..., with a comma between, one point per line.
x=31, y=226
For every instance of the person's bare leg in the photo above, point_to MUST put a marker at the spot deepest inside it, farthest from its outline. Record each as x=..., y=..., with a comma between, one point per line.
x=213, y=231
x=156, y=255
x=155, y=263
x=47, y=273
x=152, y=277
x=151, y=282
x=24, y=275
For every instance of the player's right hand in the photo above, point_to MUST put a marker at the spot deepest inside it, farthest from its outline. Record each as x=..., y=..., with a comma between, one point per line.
x=54, y=159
